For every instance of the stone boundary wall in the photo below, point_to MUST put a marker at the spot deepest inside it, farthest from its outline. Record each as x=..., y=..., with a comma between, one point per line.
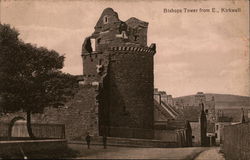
x=80, y=115
x=56, y=131
x=14, y=147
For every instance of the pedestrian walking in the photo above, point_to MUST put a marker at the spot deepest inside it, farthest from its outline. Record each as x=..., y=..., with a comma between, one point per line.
x=88, y=139
x=104, y=139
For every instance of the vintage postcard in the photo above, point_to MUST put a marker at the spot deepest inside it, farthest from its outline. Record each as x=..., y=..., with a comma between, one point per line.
x=143, y=79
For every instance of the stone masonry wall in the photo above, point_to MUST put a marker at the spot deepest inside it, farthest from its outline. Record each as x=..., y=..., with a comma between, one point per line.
x=131, y=90
x=80, y=115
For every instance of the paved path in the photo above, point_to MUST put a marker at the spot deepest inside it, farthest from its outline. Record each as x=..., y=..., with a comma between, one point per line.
x=97, y=152
x=210, y=154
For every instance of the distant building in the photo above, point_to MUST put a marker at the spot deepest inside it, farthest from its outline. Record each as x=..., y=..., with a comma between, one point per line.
x=199, y=98
x=177, y=131
x=170, y=100
x=189, y=105
x=167, y=125
x=162, y=107
x=223, y=121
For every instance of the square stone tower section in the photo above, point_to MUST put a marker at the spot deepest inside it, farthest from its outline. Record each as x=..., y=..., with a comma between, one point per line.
x=117, y=58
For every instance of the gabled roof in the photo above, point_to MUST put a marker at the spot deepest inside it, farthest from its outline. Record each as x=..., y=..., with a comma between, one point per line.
x=170, y=108
x=162, y=111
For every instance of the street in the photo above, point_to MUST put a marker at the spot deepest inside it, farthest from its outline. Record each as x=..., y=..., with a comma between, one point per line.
x=112, y=152
x=210, y=154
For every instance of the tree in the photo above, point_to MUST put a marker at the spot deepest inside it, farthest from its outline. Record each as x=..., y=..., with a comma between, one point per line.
x=30, y=77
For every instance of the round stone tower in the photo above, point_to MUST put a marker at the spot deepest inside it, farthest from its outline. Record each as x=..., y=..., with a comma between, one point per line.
x=116, y=57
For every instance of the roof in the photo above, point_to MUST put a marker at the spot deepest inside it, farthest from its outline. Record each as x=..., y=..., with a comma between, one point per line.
x=190, y=113
x=231, y=115
x=225, y=119
x=167, y=110
x=170, y=108
x=162, y=111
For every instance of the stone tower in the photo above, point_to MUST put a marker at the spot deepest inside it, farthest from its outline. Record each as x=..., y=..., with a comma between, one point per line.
x=117, y=59
x=199, y=98
x=210, y=107
x=203, y=126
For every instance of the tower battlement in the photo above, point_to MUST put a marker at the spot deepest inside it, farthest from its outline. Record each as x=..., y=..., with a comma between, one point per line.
x=133, y=49
x=126, y=48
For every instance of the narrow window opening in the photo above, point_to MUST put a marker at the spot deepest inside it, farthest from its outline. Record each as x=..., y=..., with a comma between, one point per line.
x=217, y=127
x=105, y=19
x=92, y=40
x=136, y=38
x=98, y=40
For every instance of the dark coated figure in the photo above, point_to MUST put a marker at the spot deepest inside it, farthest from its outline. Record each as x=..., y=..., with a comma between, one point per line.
x=88, y=139
x=104, y=139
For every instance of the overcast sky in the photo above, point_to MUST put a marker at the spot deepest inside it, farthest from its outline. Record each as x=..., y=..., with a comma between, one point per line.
x=206, y=52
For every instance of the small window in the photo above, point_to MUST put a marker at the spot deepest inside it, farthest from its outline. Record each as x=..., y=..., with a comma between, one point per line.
x=98, y=40
x=217, y=127
x=206, y=111
x=105, y=19
x=136, y=38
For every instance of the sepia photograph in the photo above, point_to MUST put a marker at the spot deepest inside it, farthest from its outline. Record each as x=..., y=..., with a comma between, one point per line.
x=125, y=79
